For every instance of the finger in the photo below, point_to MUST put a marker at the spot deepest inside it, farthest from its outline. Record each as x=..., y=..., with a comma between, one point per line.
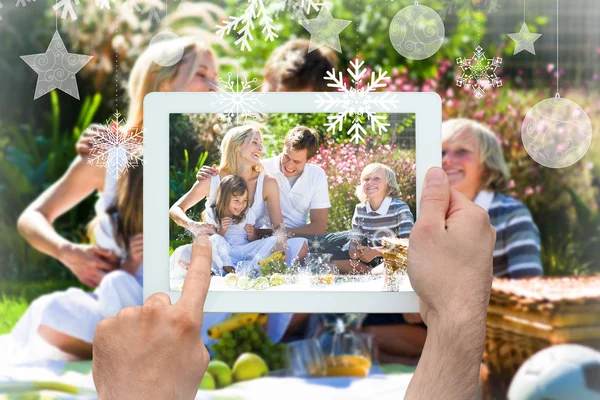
x=197, y=281
x=458, y=202
x=157, y=300
x=434, y=199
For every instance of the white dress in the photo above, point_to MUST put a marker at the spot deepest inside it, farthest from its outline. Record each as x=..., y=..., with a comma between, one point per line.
x=74, y=311
x=277, y=323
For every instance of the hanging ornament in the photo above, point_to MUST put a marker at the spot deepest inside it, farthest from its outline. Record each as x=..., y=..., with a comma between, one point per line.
x=524, y=39
x=479, y=71
x=417, y=32
x=56, y=68
x=325, y=30
x=556, y=132
x=171, y=53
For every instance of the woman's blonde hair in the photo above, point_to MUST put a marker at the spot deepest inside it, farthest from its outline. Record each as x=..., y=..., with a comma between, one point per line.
x=230, y=146
x=231, y=185
x=495, y=170
x=393, y=190
x=147, y=76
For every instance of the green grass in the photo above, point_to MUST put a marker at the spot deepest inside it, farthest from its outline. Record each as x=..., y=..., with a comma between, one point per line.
x=15, y=297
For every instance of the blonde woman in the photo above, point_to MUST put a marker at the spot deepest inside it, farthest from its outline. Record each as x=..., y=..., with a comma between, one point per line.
x=474, y=162
x=241, y=151
x=196, y=71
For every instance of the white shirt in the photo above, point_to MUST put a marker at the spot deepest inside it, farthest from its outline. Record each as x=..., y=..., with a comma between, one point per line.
x=383, y=208
x=310, y=191
x=236, y=234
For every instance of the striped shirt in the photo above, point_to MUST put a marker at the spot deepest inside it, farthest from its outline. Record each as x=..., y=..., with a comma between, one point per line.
x=392, y=216
x=517, y=249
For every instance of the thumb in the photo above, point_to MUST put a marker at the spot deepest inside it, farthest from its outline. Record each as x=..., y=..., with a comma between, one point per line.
x=435, y=199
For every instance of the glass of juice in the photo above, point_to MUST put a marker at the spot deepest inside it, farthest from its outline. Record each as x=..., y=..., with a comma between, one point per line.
x=350, y=356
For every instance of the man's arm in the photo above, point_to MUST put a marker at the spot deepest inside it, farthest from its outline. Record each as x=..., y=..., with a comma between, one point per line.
x=317, y=225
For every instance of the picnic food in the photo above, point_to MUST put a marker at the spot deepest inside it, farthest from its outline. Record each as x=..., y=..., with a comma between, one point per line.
x=249, y=366
x=250, y=338
x=348, y=365
x=277, y=256
x=275, y=263
x=277, y=279
x=208, y=382
x=261, y=283
x=221, y=372
x=231, y=280
x=232, y=323
x=395, y=255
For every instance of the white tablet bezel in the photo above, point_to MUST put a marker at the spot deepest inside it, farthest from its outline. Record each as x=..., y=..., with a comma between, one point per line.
x=158, y=107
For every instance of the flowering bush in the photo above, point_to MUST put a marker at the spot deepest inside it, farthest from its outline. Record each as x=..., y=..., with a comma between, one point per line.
x=344, y=162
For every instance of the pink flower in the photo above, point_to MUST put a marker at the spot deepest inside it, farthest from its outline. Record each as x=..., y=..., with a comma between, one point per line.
x=550, y=68
x=529, y=191
x=511, y=184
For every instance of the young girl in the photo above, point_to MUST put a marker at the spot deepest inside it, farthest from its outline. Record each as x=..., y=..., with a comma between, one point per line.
x=236, y=238
x=380, y=213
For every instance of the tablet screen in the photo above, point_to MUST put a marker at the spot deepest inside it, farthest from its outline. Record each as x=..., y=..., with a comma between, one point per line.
x=290, y=206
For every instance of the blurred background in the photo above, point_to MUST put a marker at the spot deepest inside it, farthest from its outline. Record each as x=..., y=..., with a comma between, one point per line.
x=37, y=137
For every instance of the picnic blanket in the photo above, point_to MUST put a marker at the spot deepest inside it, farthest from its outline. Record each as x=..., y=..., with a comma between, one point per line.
x=73, y=381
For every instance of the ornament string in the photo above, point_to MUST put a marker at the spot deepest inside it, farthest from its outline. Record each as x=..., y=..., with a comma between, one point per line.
x=557, y=70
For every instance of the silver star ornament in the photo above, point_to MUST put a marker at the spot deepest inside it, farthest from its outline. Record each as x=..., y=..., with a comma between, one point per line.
x=56, y=68
x=524, y=39
x=325, y=30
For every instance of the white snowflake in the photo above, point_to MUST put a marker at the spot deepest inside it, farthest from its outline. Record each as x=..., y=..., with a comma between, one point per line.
x=22, y=3
x=281, y=234
x=264, y=12
x=103, y=4
x=131, y=5
x=316, y=245
x=356, y=102
x=68, y=10
x=152, y=14
x=479, y=72
x=237, y=96
x=116, y=148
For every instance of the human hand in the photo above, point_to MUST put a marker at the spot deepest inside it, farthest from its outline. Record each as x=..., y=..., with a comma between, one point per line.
x=207, y=172
x=251, y=231
x=225, y=222
x=135, y=256
x=88, y=263
x=367, y=254
x=84, y=143
x=450, y=256
x=155, y=351
x=201, y=229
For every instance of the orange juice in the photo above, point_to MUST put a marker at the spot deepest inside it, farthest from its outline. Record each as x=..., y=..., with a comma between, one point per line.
x=348, y=365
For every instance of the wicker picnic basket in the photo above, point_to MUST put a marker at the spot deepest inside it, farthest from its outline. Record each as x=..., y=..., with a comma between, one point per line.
x=528, y=315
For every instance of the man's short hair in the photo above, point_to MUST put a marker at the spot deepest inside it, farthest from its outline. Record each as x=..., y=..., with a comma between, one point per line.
x=292, y=68
x=302, y=137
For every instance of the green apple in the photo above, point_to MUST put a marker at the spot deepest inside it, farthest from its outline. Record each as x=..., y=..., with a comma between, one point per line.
x=249, y=366
x=208, y=382
x=221, y=372
x=261, y=283
x=277, y=279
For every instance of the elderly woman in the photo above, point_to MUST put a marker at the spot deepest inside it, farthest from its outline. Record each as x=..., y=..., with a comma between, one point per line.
x=474, y=162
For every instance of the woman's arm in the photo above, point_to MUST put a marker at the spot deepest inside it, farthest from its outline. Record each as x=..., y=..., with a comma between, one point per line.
x=199, y=191
x=271, y=196
x=35, y=223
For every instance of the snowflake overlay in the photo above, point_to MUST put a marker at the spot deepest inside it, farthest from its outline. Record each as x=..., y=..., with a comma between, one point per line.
x=265, y=14
x=237, y=96
x=22, y=3
x=116, y=149
x=479, y=72
x=103, y=4
x=316, y=245
x=68, y=10
x=356, y=102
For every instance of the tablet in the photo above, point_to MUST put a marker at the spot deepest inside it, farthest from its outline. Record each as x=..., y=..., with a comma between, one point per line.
x=183, y=131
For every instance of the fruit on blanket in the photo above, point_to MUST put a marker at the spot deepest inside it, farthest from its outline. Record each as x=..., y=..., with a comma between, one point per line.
x=261, y=283
x=249, y=366
x=231, y=280
x=277, y=256
x=221, y=372
x=277, y=279
x=348, y=365
x=244, y=282
x=232, y=323
x=208, y=382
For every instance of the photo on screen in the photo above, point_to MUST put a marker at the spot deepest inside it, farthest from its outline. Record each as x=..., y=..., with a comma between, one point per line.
x=289, y=206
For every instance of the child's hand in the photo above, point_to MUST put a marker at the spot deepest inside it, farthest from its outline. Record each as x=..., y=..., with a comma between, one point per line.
x=367, y=254
x=252, y=236
x=225, y=222
x=135, y=256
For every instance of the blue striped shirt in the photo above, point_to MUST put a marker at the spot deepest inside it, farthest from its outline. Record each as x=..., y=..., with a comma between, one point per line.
x=517, y=249
x=392, y=218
